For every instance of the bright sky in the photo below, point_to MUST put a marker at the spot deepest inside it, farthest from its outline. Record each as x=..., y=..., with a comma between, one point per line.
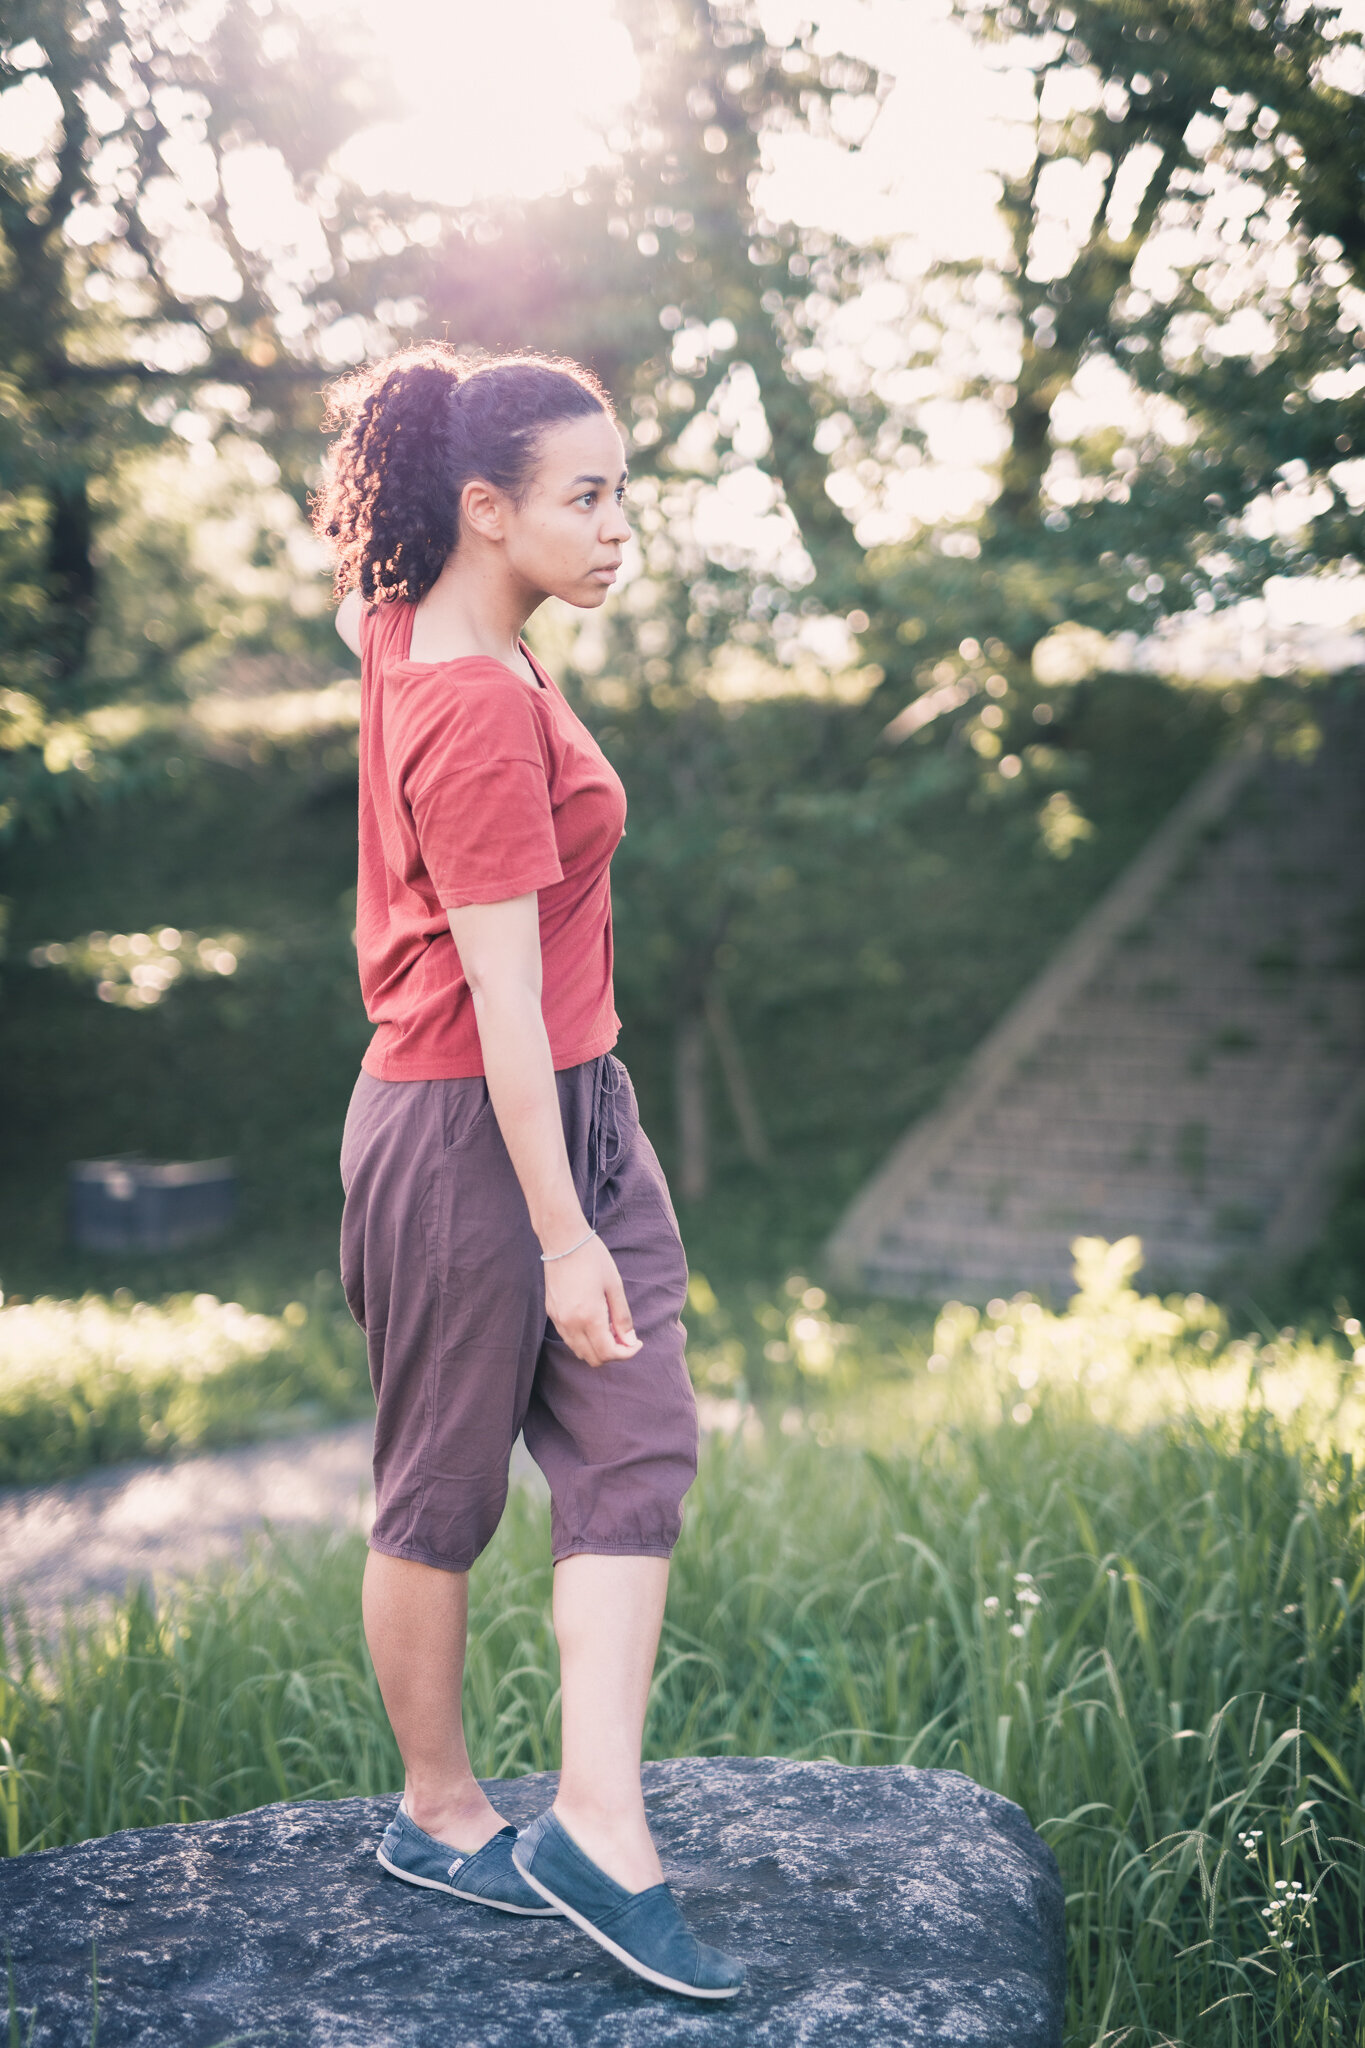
x=519, y=98
x=514, y=98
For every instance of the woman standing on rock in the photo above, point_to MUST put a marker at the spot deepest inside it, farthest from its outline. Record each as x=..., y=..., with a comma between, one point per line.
x=508, y=1243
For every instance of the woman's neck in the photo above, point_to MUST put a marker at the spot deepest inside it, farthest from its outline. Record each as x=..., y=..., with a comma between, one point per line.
x=467, y=612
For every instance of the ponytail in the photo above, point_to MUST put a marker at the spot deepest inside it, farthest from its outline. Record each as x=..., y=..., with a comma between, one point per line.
x=414, y=430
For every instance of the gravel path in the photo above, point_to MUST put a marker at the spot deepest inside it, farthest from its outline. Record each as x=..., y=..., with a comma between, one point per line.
x=88, y=1537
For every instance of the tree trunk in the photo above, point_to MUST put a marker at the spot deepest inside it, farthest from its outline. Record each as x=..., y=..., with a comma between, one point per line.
x=70, y=571
x=689, y=1088
x=752, y=1134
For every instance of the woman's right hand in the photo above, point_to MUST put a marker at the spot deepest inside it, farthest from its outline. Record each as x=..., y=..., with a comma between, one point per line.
x=586, y=1302
x=499, y=948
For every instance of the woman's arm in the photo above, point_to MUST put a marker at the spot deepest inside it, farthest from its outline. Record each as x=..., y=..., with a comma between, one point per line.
x=499, y=947
x=348, y=619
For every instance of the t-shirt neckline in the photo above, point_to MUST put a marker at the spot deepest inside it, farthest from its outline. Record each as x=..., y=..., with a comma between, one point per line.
x=543, y=688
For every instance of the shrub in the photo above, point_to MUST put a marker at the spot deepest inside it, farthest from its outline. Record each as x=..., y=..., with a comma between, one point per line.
x=90, y=1381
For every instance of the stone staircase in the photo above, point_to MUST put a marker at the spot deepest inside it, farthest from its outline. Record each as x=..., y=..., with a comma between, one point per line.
x=1191, y=1067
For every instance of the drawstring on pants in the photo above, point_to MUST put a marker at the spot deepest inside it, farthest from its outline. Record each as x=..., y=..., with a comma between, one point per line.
x=605, y=1144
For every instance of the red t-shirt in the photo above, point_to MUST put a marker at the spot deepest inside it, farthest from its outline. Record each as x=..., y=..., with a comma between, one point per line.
x=476, y=786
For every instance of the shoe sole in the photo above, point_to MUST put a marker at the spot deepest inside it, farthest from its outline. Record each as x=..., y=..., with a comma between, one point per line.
x=622, y=1956
x=432, y=1884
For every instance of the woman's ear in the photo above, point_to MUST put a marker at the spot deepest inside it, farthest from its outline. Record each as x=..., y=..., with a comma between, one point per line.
x=482, y=510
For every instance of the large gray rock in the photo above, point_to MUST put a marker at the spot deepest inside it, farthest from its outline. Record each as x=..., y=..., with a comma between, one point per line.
x=873, y=1906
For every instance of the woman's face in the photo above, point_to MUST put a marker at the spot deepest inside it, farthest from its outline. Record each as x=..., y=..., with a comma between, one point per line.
x=565, y=538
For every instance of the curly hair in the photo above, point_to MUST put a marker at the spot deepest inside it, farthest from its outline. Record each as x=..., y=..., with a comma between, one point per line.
x=415, y=429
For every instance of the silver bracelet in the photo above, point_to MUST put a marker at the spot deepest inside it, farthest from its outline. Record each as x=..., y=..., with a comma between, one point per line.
x=546, y=1257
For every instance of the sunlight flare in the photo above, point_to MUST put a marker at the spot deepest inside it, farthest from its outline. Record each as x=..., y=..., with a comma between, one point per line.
x=516, y=101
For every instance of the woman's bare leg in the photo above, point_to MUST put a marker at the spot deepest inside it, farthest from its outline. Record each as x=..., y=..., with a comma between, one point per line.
x=415, y=1619
x=607, y=1613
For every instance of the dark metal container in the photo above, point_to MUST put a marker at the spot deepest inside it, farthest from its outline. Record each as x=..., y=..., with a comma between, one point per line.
x=147, y=1205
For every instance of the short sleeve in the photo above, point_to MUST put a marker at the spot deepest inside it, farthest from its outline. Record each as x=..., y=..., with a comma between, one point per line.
x=485, y=826
x=380, y=626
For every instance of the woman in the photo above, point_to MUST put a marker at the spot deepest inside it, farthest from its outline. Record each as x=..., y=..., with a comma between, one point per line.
x=508, y=1243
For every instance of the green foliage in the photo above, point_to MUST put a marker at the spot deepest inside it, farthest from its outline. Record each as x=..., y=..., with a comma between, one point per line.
x=259, y=1063
x=103, y=337
x=1177, y=110
x=1148, y=1629
x=109, y=351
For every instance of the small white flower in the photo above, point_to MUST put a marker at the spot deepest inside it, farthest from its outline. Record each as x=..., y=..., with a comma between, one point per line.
x=1016, y=1628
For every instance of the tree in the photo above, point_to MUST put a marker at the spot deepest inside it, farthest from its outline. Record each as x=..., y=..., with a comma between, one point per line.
x=1173, y=111
x=1153, y=120
x=137, y=268
x=1257, y=339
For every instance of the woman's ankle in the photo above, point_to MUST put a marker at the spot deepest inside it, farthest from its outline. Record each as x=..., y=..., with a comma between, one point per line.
x=617, y=1839
x=463, y=1816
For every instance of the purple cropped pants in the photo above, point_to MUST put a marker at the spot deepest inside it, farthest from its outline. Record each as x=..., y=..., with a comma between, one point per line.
x=442, y=1271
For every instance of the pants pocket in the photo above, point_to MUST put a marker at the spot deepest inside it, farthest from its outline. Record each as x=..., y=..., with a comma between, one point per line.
x=466, y=1107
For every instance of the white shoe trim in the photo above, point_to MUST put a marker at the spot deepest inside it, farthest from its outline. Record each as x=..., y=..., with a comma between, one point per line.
x=622, y=1955
x=429, y=1884
x=432, y=1884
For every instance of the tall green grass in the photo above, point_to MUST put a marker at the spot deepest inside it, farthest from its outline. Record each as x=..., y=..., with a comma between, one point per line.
x=1151, y=1637
x=92, y=1381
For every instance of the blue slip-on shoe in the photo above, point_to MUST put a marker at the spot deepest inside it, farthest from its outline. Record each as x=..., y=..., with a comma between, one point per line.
x=644, y=1930
x=488, y=1877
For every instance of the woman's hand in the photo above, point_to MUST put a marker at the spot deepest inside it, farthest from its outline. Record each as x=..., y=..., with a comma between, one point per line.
x=586, y=1302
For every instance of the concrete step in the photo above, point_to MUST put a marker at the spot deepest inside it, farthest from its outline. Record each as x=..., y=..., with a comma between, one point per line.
x=1226, y=1060
x=1012, y=1196
x=1155, y=1159
x=1273, y=1090
x=1246, y=1031
x=1130, y=1146
x=1231, y=1221
x=1023, y=1123
x=978, y=1273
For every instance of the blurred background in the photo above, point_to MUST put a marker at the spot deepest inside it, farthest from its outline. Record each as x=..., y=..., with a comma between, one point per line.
x=986, y=683
x=991, y=384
